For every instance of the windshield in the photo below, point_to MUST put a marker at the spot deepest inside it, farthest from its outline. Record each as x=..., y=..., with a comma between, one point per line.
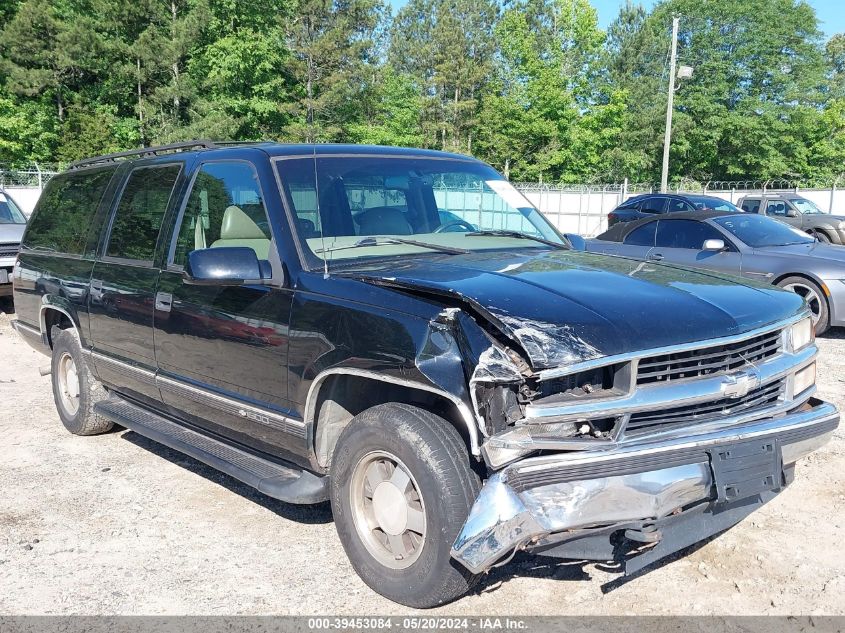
x=716, y=204
x=805, y=206
x=9, y=211
x=759, y=231
x=342, y=204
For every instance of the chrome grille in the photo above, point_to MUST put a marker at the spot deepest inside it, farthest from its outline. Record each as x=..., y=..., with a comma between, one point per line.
x=759, y=398
x=708, y=360
x=9, y=249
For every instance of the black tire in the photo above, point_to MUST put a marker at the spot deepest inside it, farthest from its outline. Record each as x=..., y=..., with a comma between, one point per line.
x=796, y=284
x=821, y=236
x=437, y=460
x=82, y=421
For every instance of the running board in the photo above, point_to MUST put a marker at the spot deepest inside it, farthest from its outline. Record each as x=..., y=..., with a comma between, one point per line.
x=287, y=483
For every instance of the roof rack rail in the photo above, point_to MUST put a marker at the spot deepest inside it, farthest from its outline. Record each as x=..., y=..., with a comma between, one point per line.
x=143, y=152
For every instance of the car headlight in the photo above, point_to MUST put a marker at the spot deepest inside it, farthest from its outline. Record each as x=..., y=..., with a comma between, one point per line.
x=804, y=379
x=801, y=334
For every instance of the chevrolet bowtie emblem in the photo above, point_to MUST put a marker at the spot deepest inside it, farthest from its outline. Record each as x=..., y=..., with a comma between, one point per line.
x=738, y=385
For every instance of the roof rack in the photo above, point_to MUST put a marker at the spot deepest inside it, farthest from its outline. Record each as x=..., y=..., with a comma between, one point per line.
x=143, y=152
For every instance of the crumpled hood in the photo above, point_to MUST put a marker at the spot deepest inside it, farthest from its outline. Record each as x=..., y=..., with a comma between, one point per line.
x=563, y=307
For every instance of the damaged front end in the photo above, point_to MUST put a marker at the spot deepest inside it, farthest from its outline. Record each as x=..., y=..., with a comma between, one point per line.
x=594, y=456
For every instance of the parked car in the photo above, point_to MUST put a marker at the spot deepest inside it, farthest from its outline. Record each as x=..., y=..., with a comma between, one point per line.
x=302, y=319
x=12, y=223
x=799, y=212
x=651, y=204
x=752, y=246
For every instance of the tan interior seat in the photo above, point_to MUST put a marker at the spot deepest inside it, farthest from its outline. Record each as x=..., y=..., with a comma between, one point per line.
x=238, y=229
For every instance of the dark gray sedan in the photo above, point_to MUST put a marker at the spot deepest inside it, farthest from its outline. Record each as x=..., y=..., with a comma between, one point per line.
x=753, y=246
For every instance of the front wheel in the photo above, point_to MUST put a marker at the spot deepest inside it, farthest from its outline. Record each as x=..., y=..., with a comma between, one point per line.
x=815, y=298
x=401, y=489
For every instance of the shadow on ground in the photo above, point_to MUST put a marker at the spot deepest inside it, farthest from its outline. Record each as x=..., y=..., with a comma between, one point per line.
x=306, y=514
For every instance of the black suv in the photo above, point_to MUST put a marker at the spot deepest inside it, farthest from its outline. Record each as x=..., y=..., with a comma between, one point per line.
x=650, y=204
x=401, y=332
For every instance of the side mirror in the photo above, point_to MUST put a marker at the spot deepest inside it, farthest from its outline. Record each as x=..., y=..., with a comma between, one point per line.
x=791, y=213
x=225, y=266
x=713, y=245
x=578, y=242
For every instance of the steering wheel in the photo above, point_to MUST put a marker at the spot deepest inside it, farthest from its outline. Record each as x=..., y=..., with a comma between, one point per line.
x=443, y=228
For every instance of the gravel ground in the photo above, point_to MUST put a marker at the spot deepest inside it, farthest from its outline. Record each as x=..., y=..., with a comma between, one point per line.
x=116, y=524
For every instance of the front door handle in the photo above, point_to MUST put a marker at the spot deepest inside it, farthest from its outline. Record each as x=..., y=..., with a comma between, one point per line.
x=655, y=257
x=164, y=301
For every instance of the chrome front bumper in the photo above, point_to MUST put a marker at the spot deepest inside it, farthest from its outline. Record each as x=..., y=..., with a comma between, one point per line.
x=551, y=498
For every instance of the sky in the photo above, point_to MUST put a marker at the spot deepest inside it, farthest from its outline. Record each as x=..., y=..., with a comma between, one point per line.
x=831, y=12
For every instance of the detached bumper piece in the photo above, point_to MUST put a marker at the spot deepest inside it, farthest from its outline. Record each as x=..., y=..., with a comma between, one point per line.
x=654, y=498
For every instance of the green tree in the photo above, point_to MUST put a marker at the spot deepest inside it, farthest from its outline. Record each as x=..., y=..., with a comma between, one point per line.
x=393, y=115
x=758, y=73
x=333, y=46
x=548, y=117
x=447, y=46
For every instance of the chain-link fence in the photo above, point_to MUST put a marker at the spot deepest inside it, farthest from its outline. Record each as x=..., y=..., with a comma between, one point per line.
x=25, y=177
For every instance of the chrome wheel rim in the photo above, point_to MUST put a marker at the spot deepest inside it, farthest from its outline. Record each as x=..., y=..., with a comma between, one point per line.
x=388, y=509
x=68, y=384
x=814, y=301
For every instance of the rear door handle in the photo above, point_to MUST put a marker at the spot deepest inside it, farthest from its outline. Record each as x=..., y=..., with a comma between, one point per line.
x=164, y=301
x=656, y=257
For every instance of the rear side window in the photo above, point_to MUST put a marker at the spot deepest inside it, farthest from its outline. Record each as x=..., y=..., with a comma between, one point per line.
x=62, y=218
x=676, y=205
x=751, y=206
x=685, y=234
x=642, y=236
x=137, y=220
x=653, y=205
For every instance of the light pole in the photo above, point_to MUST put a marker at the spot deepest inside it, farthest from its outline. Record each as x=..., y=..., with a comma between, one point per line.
x=684, y=72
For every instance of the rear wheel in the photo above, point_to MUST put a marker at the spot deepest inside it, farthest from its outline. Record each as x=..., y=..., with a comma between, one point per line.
x=75, y=390
x=815, y=298
x=401, y=489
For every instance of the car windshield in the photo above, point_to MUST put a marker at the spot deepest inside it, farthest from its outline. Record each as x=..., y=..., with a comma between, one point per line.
x=358, y=207
x=9, y=212
x=805, y=206
x=716, y=204
x=759, y=231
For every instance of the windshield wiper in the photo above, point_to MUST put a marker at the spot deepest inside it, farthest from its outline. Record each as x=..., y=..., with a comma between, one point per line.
x=373, y=241
x=518, y=235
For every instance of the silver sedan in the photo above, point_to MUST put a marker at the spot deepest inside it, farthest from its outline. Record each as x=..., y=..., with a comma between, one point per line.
x=753, y=246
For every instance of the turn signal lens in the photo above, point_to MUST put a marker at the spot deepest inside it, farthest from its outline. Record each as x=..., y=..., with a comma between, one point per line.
x=804, y=379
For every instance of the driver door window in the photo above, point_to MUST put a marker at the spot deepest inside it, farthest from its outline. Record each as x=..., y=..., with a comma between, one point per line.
x=225, y=208
x=686, y=234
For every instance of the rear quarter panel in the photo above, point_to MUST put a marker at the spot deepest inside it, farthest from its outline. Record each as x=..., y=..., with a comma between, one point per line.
x=59, y=281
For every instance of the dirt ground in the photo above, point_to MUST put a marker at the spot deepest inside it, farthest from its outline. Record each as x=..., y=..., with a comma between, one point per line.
x=116, y=524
